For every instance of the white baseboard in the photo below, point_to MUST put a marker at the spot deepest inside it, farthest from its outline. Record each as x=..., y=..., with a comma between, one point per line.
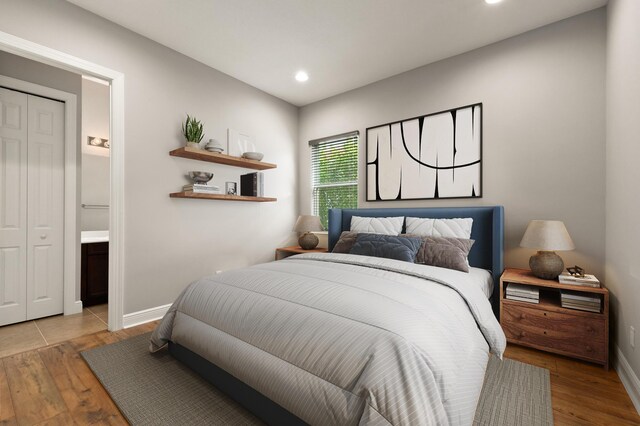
x=627, y=377
x=144, y=316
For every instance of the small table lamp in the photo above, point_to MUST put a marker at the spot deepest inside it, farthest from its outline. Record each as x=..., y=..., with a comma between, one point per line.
x=547, y=236
x=306, y=224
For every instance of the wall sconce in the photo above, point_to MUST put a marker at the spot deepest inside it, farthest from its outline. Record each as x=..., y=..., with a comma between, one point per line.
x=98, y=142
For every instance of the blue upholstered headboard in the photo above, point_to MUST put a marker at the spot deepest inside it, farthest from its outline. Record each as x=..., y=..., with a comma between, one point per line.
x=488, y=231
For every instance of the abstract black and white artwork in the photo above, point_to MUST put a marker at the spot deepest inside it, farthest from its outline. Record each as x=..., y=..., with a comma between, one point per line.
x=433, y=156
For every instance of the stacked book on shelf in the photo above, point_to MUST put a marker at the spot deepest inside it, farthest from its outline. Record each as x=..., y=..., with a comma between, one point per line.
x=202, y=188
x=580, y=301
x=252, y=184
x=523, y=293
x=587, y=280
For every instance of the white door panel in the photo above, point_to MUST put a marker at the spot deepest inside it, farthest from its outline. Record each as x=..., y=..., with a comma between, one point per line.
x=45, y=207
x=13, y=206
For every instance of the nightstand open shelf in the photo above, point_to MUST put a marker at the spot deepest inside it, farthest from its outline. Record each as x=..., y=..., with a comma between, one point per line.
x=550, y=327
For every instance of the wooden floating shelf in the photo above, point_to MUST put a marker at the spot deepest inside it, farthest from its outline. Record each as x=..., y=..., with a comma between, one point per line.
x=212, y=157
x=199, y=195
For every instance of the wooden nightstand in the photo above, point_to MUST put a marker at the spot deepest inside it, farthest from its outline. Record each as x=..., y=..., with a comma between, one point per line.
x=283, y=252
x=550, y=327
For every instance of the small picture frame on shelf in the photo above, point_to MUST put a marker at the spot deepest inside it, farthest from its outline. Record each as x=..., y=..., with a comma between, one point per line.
x=231, y=188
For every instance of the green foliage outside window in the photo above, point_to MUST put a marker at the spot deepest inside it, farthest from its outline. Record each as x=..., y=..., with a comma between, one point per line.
x=334, y=167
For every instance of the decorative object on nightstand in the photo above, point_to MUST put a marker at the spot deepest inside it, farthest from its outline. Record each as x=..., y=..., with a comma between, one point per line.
x=586, y=280
x=547, y=236
x=306, y=224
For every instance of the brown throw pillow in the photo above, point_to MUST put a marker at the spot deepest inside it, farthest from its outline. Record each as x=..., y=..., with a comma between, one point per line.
x=346, y=241
x=450, y=253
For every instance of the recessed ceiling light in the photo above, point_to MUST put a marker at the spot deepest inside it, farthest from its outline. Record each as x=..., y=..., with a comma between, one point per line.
x=302, y=76
x=492, y=1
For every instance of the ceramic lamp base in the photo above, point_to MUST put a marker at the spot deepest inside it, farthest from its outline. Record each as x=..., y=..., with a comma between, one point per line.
x=308, y=241
x=546, y=265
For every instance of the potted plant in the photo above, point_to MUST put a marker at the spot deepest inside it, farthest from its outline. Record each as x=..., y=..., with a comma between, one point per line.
x=193, y=132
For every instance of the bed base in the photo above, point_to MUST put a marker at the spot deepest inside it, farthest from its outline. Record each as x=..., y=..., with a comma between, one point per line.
x=258, y=404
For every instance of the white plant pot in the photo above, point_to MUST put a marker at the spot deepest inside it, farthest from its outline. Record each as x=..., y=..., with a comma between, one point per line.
x=193, y=145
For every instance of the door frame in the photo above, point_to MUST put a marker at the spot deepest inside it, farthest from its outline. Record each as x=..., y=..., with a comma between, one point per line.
x=46, y=55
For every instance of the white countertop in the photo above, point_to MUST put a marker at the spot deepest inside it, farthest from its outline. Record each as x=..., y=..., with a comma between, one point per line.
x=87, y=237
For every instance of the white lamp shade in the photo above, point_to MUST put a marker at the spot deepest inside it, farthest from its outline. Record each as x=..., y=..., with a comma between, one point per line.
x=548, y=235
x=308, y=223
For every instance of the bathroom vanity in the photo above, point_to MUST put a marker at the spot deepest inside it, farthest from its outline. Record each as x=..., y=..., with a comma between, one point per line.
x=94, y=282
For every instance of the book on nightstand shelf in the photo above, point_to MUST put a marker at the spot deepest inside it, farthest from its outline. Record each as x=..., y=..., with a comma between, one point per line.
x=587, y=281
x=579, y=301
x=523, y=293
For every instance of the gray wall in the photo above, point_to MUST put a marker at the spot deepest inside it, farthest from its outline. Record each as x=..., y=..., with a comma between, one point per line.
x=170, y=242
x=543, y=95
x=623, y=173
x=95, y=160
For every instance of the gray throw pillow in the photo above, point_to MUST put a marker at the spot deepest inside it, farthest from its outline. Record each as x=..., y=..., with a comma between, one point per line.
x=346, y=241
x=450, y=253
x=387, y=246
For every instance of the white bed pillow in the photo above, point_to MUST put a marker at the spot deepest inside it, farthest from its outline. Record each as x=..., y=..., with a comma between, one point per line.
x=447, y=228
x=377, y=225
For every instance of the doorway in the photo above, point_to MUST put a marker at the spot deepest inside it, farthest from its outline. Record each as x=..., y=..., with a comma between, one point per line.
x=94, y=196
x=42, y=54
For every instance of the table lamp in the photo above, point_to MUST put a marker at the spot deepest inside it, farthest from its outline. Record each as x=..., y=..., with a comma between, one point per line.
x=547, y=236
x=306, y=224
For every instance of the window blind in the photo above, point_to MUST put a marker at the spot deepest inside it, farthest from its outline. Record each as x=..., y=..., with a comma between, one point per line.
x=334, y=174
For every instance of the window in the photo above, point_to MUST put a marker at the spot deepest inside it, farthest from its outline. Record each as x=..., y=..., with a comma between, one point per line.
x=334, y=174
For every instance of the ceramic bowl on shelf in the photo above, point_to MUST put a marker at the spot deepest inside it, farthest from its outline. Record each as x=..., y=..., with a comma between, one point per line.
x=253, y=156
x=214, y=146
x=200, y=177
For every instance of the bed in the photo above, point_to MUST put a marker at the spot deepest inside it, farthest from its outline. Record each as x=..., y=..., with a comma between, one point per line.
x=346, y=339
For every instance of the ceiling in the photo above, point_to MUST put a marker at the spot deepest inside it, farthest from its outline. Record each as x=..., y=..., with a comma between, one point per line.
x=342, y=44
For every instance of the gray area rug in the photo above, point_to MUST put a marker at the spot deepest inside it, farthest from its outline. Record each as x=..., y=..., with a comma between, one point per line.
x=155, y=389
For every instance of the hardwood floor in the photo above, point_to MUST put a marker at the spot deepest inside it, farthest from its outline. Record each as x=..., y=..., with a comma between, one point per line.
x=54, y=386
x=581, y=393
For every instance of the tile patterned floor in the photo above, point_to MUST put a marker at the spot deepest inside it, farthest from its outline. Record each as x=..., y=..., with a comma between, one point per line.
x=42, y=332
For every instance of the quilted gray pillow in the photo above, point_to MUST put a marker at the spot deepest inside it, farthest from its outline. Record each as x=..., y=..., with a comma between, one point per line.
x=346, y=241
x=387, y=246
x=450, y=253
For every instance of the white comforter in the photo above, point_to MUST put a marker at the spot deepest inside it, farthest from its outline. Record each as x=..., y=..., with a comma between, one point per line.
x=345, y=339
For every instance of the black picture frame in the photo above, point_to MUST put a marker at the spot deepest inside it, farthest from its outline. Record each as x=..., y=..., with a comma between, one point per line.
x=453, y=111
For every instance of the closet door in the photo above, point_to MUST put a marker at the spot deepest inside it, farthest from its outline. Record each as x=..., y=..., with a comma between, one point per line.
x=45, y=207
x=13, y=206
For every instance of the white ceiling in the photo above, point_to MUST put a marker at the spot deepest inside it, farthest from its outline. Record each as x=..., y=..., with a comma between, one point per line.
x=342, y=44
